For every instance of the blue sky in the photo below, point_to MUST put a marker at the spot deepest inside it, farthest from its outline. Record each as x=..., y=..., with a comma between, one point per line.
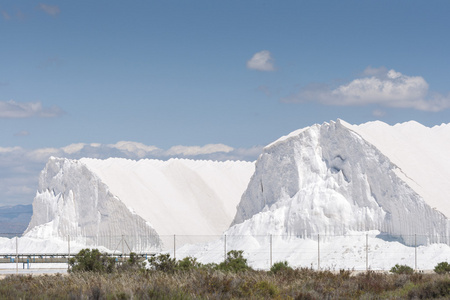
x=214, y=79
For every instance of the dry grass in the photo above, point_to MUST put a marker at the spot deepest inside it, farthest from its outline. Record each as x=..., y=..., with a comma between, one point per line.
x=214, y=284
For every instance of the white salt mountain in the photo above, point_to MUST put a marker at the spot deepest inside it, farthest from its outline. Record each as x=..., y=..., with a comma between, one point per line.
x=332, y=179
x=368, y=191
x=104, y=199
x=336, y=178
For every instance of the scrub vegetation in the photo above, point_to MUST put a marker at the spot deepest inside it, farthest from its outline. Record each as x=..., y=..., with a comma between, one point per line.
x=166, y=278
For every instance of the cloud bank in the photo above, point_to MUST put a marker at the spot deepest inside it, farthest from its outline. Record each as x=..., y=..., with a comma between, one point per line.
x=379, y=86
x=19, y=167
x=13, y=109
x=261, y=61
x=196, y=150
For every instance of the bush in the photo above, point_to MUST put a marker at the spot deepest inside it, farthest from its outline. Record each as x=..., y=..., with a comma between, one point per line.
x=281, y=266
x=442, y=268
x=134, y=262
x=266, y=289
x=187, y=264
x=91, y=260
x=235, y=262
x=439, y=288
x=211, y=284
x=163, y=263
x=401, y=269
x=345, y=274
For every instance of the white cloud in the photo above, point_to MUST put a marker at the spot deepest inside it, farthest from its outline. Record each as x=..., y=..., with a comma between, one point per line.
x=5, y=15
x=9, y=149
x=135, y=150
x=14, y=189
x=22, y=133
x=379, y=86
x=131, y=150
x=73, y=148
x=42, y=155
x=13, y=109
x=248, y=153
x=51, y=10
x=197, y=150
x=261, y=61
x=138, y=149
x=378, y=113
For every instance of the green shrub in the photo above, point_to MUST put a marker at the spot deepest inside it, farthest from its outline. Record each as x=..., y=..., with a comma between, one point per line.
x=345, y=274
x=163, y=263
x=439, y=288
x=187, y=264
x=134, y=262
x=442, y=268
x=88, y=260
x=401, y=269
x=280, y=266
x=235, y=262
x=266, y=289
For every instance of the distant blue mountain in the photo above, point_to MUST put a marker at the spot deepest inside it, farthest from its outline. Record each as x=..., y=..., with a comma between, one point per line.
x=14, y=219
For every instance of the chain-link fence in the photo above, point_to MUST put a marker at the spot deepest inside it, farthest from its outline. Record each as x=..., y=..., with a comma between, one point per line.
x=359, y=251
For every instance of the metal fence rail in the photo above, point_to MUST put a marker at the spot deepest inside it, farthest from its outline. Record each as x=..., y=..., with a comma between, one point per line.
x=368, y=251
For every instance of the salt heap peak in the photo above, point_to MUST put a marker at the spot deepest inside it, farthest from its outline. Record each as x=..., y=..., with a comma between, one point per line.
x=335, y=178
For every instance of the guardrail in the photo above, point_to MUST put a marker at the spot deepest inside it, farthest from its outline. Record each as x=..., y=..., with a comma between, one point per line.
x=59, y=257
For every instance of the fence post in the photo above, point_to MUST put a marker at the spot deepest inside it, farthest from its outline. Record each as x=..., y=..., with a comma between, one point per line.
x=270, y=251
x=318, y=252
x=367, y=252
x=415, y=252
x=225, y=248
x=174, y=247
x=68, y=256
x=123, y=252
x=17, y=256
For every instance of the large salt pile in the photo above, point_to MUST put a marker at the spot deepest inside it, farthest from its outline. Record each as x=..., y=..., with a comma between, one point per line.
x=337, y=178
x=100, y=199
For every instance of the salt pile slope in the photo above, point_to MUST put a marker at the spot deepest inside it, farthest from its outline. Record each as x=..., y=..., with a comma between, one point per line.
x=113, y=197
x=336, y=178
